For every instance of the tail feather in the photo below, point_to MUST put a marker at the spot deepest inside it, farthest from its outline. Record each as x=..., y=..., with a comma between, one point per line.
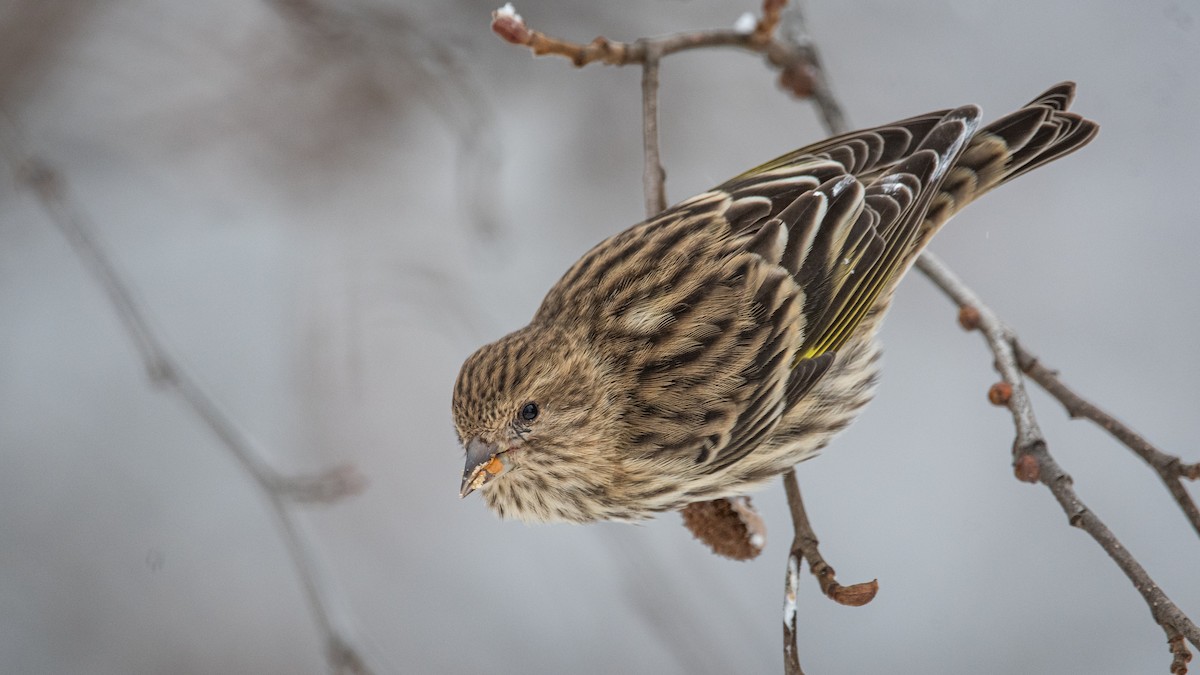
x=1038, y=133
x=856, y=210
x=1058, y=97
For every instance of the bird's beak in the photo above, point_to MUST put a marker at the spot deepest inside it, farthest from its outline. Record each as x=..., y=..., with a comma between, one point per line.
x=485, y=461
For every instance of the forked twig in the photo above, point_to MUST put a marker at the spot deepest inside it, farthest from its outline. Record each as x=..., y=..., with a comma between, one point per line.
x=1170, y=468
x=1032, y=460
x=804, y=545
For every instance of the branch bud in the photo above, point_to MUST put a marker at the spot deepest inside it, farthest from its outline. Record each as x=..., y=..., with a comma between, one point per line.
x=968, y=317
x=1027, y=469
x=1000, y=393
x=799, y=79
x=855, y=595
x=510, y=26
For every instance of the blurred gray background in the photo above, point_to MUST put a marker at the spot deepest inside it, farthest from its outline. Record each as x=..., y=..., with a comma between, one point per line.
x=324, y=216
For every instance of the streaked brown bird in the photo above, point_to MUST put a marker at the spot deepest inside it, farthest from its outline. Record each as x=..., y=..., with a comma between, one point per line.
x=705, y=351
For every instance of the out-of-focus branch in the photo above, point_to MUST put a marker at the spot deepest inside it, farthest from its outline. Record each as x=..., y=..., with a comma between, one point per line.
x=32, y=33
x=808, y=78
x=1032, y=459
x=400, y=56
x=165, y=370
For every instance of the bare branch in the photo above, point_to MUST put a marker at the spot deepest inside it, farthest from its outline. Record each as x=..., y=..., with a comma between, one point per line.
x=511, y=27
x=804, y=75
x=806, y=545
x=164, y=370
x=791, y=589
x=653, y=174
x=1032, y=458
x=1170, y=468
x=792, y=58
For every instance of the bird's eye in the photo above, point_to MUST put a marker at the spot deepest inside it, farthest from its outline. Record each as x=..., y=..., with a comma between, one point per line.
x=529, y=412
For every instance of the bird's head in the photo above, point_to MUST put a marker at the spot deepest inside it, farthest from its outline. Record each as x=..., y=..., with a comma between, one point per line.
x=540, y=423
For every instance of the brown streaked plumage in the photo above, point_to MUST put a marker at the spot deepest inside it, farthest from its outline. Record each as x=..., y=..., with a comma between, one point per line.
x=703, y=352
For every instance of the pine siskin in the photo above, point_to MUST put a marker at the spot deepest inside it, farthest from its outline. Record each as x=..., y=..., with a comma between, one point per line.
x=699, y=354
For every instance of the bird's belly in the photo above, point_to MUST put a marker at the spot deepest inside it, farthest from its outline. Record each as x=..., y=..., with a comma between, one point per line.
x=824, y=412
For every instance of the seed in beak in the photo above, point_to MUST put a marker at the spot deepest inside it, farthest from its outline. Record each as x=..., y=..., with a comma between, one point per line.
x=495, y=466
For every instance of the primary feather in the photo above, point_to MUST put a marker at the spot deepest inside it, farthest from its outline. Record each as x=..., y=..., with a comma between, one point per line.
x=710, y=348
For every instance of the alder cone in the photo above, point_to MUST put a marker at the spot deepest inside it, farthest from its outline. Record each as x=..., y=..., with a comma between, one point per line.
x=730, y=527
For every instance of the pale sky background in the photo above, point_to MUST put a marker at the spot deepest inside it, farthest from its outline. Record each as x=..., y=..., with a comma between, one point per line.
x=322, y=234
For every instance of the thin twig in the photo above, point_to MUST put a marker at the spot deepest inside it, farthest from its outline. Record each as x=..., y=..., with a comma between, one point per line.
x=1000, y=340
x=1180, y=656
x=791, y=588
x=806, y=544
x=165, y=370
x=807, y=73
x=1169, y=468
x=653, y=175
x=1032, y=458
x=791, y=59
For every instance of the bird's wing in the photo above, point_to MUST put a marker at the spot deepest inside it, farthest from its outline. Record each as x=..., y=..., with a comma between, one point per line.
x=848, y=237
x=728, y=308
x=847, y=216
x=842, y=242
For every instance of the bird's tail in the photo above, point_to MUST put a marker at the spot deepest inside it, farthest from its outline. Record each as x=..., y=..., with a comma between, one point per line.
x=1039, y=132
x=1036, y=134
x=869, y=201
